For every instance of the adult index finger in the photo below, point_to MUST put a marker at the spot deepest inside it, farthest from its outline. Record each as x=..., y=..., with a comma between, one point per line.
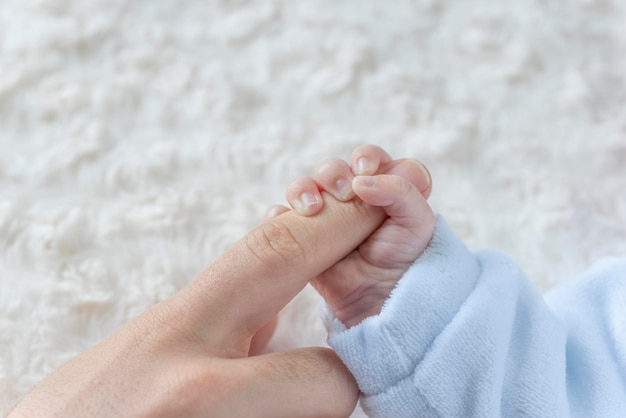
x=255, y=278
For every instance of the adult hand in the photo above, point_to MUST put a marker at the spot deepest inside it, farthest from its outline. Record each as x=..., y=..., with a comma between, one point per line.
x=189, y=355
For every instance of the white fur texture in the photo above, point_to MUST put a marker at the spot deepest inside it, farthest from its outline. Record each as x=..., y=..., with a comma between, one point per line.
x=139, y=139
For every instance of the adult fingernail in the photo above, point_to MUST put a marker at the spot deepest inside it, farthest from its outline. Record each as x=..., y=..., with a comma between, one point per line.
x=362, y=165
x=305, y=201
x=365, y=181
x=344, y=189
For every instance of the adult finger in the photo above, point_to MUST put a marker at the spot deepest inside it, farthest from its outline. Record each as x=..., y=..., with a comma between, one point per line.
x=262, y=337
x=309, y=382
x=255, y=278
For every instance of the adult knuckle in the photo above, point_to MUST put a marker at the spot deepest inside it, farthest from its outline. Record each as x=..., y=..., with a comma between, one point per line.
x=299, y=365
x=275, y=244
x=308, y=368
x=341, y=386
x=194, y=382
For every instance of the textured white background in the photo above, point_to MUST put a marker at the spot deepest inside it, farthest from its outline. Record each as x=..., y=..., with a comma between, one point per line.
x=139, y=139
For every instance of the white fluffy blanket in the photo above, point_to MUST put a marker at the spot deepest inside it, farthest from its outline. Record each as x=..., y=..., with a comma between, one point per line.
x=139, y=139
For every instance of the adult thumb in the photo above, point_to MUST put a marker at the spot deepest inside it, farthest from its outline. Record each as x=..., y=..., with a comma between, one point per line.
x=307, y=382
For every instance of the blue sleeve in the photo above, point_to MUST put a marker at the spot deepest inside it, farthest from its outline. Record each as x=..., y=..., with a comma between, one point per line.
x=466, y=334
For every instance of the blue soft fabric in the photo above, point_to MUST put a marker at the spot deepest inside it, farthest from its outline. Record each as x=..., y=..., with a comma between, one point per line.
x=466, y=334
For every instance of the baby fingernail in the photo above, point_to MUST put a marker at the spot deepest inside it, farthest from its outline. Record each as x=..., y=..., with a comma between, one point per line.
x=344, y=188
x=362, y=165
x=305, y=201
x=425, y=172
x=365, y=181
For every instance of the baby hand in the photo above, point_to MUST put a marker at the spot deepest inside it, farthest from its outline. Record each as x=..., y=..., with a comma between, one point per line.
x=357, y=286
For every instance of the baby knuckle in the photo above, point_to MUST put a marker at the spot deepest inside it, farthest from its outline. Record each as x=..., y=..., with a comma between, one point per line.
x=403, y=186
